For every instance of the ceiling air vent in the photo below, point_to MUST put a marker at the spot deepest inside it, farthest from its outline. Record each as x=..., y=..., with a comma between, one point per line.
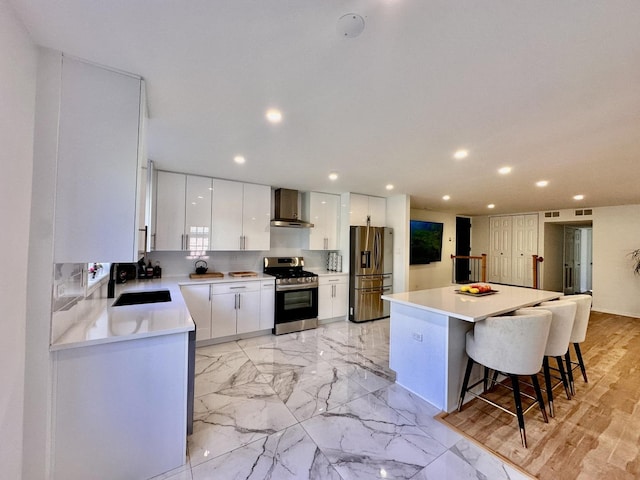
x=579, y=213
x=551, y=214
x=588, y=211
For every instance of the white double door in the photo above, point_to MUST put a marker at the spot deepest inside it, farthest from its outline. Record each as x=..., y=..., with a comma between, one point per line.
x=514, y=240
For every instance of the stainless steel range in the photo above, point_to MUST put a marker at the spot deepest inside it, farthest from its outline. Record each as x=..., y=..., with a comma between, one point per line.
x=296, y=302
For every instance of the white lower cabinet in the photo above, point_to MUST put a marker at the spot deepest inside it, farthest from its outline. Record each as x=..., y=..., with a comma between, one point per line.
x=101, y=413
x=333, y=296
x=267, y=304
x=235, y=308
x=198, y=300
x=225, y=309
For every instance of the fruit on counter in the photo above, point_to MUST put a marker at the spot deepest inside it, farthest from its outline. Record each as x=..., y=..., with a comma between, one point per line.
x=465, y=288
x=480, y=287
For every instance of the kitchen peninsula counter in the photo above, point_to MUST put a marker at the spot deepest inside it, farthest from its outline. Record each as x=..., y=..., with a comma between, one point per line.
x=427, y=335
x=95, y=321
x=120, y=380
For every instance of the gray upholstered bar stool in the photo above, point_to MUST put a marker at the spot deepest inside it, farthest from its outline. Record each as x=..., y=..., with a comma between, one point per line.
x=578, y=334
x=563, y=315
x=513, y=346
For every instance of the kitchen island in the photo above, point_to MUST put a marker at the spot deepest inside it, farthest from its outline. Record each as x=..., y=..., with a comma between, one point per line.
x=427, y=335
x=120, y=378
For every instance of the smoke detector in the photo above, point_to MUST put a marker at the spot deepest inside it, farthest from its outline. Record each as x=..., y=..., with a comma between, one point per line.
x=350, y=25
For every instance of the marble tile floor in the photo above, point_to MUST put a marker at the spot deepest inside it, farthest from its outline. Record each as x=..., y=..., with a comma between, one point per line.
x=319, y=404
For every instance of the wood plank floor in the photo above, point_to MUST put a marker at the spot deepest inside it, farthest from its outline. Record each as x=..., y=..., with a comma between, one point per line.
x=596, y=434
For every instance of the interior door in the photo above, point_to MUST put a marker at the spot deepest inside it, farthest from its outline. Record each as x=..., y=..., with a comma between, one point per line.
x=463, y=247
x=569, y=260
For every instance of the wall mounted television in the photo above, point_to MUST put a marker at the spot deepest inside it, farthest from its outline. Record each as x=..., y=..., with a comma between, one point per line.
x=425, y=242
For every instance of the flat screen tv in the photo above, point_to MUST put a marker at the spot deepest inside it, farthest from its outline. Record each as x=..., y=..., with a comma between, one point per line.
x=425, y=242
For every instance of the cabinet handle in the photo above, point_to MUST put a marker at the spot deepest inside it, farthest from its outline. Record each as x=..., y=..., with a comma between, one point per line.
x=235, y=301
x=239, y=299
x=237, y=288
x=186, y=242
x=153, y=241
x=334, y=280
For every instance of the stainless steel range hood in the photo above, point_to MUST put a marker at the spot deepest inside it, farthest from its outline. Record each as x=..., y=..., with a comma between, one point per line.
x=287, y=210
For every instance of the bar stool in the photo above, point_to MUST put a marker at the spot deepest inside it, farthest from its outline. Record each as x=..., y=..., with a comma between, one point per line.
x=562, y=318
x=578, y=335
x=512, y=345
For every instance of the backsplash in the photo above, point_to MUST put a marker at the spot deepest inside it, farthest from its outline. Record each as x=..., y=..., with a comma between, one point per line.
x=181, y=263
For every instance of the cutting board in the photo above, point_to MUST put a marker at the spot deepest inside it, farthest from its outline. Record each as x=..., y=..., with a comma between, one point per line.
x=243, y=274
x=206, y=275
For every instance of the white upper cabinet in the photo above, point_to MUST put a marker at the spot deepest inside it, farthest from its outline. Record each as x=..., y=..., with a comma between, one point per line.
x=197, y=226
x=170, y=213
x=226, y=219
x=323, y=210
x=99, y=138
x=362, y=207
x=256, y=217
x=240, y=217
x=183, y=212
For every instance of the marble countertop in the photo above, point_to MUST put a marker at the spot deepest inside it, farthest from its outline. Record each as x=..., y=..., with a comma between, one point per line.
x=186, y=280
x=465, y=307
x=95, y=321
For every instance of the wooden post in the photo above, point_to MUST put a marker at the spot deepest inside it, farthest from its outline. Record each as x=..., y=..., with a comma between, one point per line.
x=484, y=268
x=536, y=259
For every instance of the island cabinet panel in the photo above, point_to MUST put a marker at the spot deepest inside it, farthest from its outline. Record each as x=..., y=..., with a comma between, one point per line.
x=99, y=136
x=120, y=409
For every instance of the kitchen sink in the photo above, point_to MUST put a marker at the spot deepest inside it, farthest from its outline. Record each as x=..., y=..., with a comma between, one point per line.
x=137, y=298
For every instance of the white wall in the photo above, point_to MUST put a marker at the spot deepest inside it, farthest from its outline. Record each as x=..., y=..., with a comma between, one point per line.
x=616, y=232
x=480, y=235
x=398, y=208
x=436, y=274
x=17, y=97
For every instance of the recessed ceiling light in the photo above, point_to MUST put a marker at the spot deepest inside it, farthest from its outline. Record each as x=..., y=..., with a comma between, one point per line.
x=389, y=187
x=460, y=154
x=274, y=115
x=446, y=197
x=333, y=176
x=578, y=197
x=239, y=159
x=491, y=205
x=542, y=183
x=504, y=170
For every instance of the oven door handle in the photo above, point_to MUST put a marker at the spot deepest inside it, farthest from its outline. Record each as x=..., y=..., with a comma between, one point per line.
x=300, y=286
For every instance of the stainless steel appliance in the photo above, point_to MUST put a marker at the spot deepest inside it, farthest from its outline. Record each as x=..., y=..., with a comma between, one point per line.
x=370, y=272
x=296, y=302
x=287, y=209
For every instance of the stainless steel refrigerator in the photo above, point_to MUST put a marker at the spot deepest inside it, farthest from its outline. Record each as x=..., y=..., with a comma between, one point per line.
x=370, y=272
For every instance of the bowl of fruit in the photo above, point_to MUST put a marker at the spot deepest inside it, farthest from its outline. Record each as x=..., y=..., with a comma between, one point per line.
x=476, y=289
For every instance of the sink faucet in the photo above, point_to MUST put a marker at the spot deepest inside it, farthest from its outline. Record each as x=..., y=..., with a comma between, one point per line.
x=111, y=285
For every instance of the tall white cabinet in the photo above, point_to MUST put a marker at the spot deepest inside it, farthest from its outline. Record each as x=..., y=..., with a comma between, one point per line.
x=514, y=239
x=99, y=139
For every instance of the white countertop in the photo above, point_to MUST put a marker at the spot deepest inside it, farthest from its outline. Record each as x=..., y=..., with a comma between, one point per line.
x=186, y=280
x=94, y=321
x=465, y=307
x=323, y=273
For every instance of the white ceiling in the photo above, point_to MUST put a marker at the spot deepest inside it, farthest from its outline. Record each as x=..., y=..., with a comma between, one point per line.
x=551, y=88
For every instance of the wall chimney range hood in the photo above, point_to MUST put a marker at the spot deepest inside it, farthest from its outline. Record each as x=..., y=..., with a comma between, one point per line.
x=287, y=210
